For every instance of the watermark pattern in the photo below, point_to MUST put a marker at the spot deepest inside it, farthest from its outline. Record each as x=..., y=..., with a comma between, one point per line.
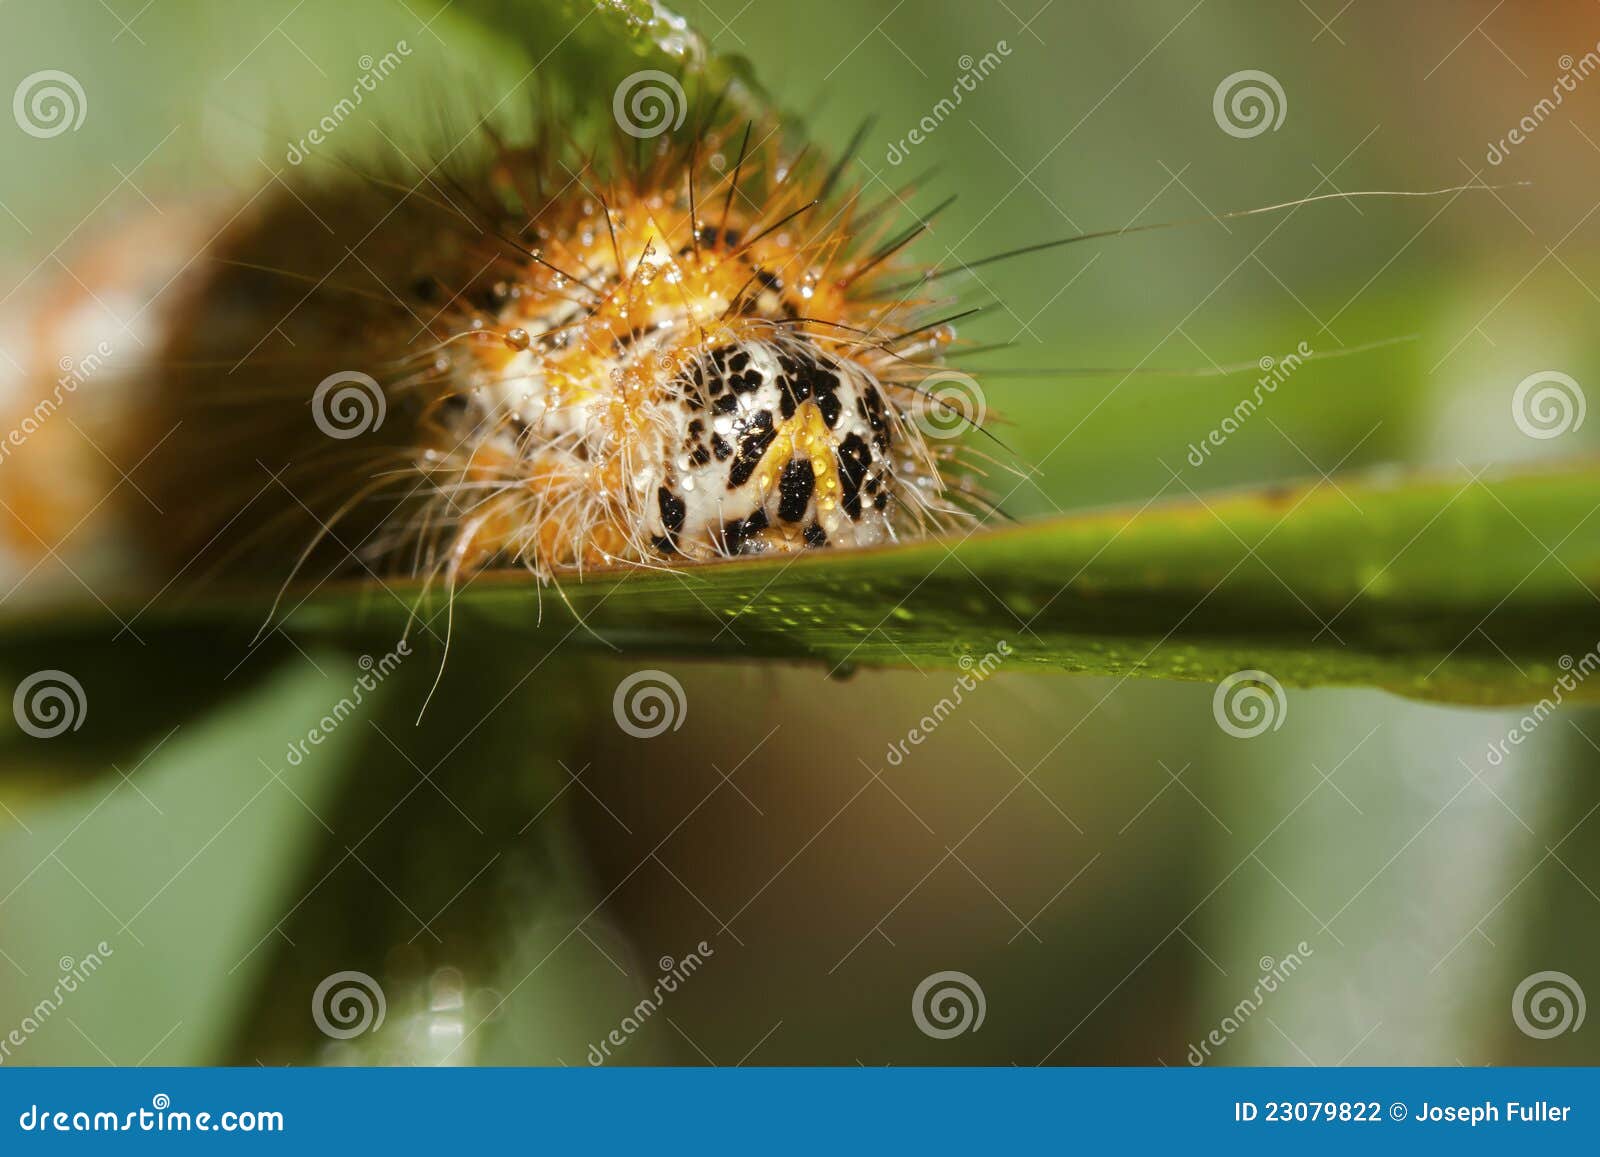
x=951, y=403
x=673, y=974
x=1274, y=972
x=1548, y=1004
x=649, y=703
x=1274, y=372
x=49, y=703
x=73, y=973
x=975, y=671
x=347, y=404
x=348, y=1004
x=1576, y=671
x=373, y=72
x=973, y=73
x=1548, y=404
x=48, y=103
x=1572, y=73
x=947, y=1004
x=648, y=103
x=74, y=372
x=1249, y=703
x=376, y=671
x=1248, y=103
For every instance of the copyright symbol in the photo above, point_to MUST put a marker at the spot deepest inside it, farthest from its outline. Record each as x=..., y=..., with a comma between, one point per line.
x=1397, y=1111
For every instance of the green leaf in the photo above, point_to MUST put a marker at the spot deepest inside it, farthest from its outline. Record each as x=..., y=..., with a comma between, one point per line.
x=1451, y=587
x=587, y=48
x=1445, y=588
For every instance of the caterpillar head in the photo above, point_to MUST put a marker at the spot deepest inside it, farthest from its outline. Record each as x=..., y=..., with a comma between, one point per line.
x=777, y=443
x=700, y=391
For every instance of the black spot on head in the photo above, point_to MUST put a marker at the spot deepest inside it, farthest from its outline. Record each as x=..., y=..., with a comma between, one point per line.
x=854, y=458
x=739, y=535
x=792, y=390
x=720, y=446
x=811, y=377
x=795, y=486
x=827, y=394
x=871, y=408
x=751, y=449
x=816, y=536
x=874, y=404
x=673, y=510
x=690, y=385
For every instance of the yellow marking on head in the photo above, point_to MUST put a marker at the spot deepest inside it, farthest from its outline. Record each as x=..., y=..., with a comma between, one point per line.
x=805, y=434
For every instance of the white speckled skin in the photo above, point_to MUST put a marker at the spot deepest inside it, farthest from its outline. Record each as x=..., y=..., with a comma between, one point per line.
x=779, y=445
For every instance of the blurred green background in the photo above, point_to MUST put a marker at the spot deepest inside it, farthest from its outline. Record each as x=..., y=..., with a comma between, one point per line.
x=1111, y=868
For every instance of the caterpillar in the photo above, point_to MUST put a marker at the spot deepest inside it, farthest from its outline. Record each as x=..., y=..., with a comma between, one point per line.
x=666, y=352
x=532, y=357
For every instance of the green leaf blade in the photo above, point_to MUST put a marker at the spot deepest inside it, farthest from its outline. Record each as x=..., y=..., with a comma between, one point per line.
x=1450, y=587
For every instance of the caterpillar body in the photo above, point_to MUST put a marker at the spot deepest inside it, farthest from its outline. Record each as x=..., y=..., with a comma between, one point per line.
x=540, y=359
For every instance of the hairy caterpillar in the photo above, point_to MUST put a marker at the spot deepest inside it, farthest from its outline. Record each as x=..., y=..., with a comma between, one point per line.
x=682, y=349
x=545, y=360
